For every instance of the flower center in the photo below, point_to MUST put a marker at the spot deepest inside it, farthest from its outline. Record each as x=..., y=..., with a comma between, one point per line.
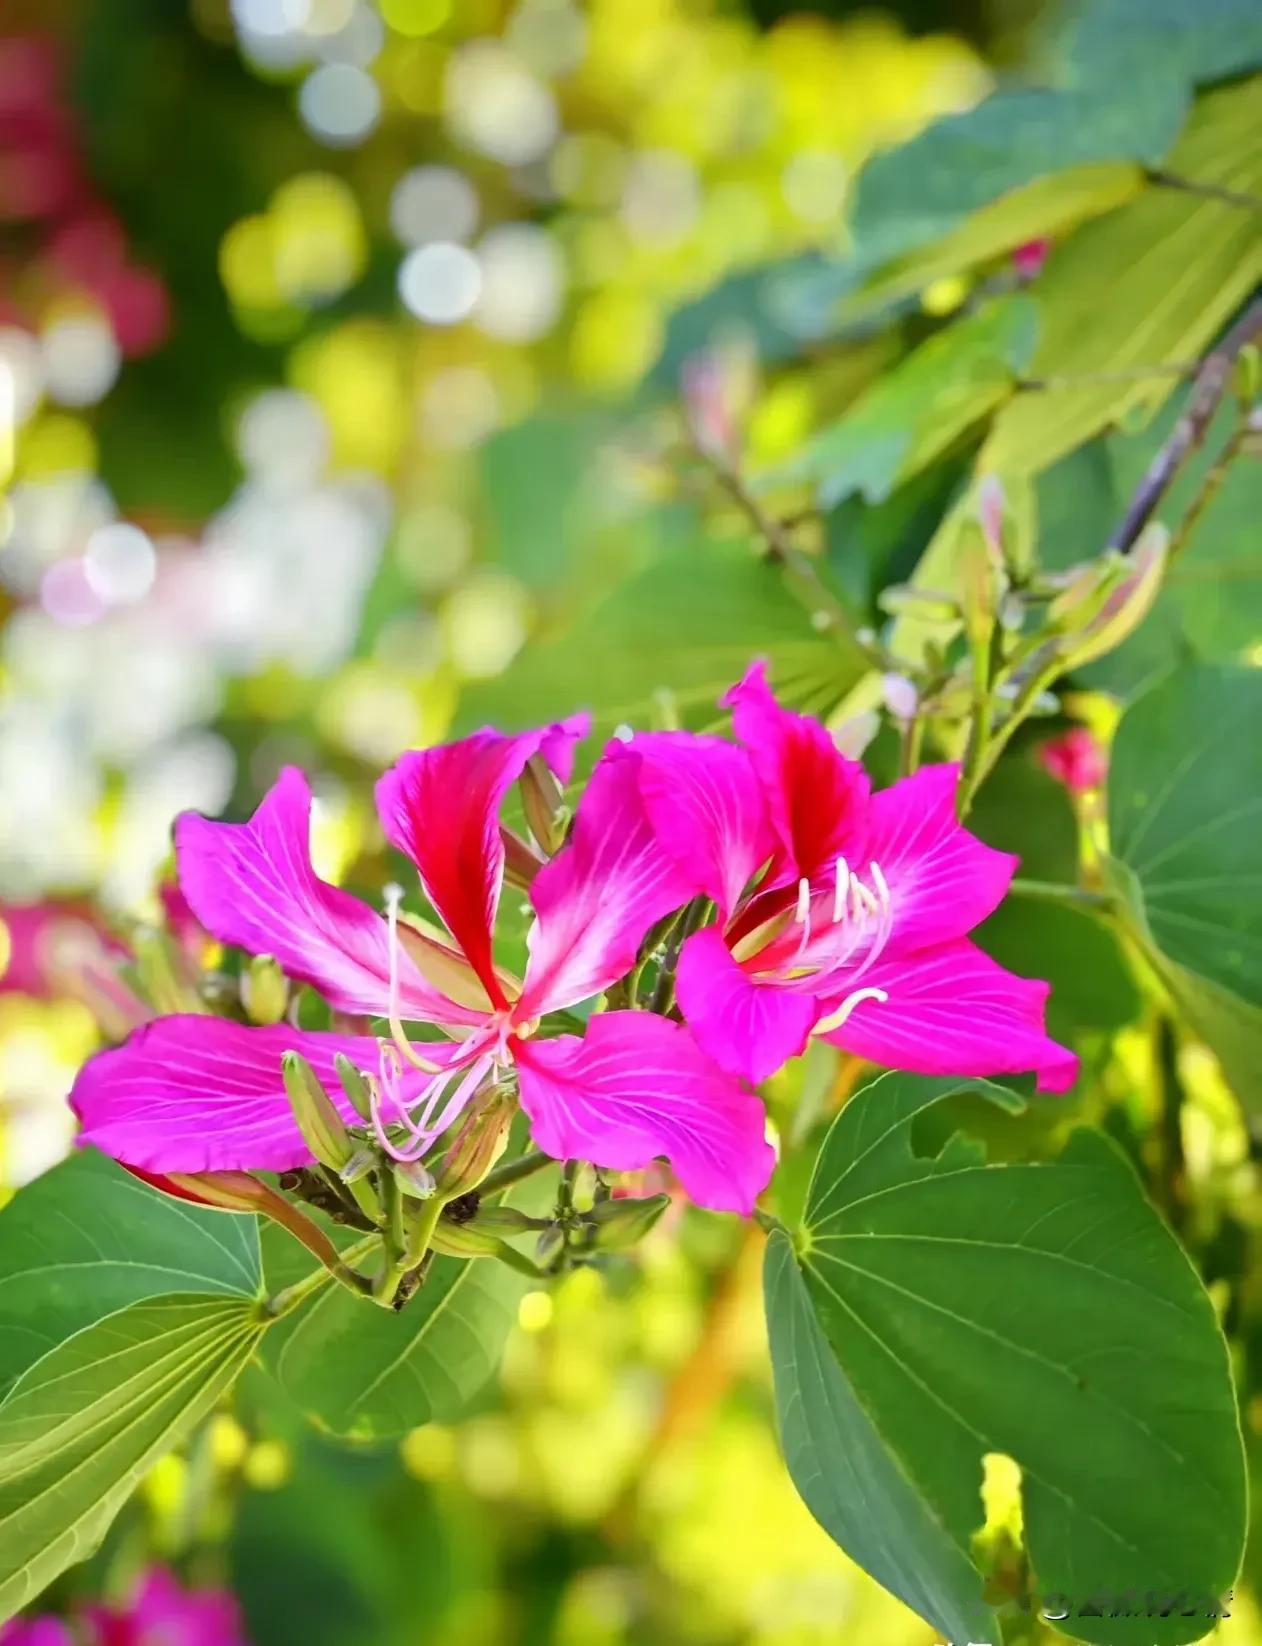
x=842, y=931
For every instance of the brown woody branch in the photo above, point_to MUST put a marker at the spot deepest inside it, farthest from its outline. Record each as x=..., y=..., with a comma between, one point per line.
x=1208, y=388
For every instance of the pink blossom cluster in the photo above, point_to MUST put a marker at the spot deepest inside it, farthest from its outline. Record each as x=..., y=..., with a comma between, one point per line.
x=160, y=1612
x=44, y=183
x=780, y=898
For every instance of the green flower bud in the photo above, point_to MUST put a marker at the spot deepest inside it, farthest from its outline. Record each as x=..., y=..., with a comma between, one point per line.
x=415, y=1179
x=463, y=1240
x=354, y=1085
x=163, y=975
x=550, y=1245
x=318, y=1121
x=264, y=990
x=358, y=1166
x=541, y=800
x=620, y=1224
x=479, y=1144
x=1108, y=599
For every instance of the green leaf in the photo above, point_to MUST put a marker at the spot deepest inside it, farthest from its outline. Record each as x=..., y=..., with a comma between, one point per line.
x=87, y=1239
x=1185, y=796
x=849, y=1480
x=366, y=1372
x=914, y=413
x=1041, y=1312
x=83, y=1424
x=1185, y=799
x=1208, y=41
x=1189, y=263
x=1045, y=206
x=683, y=628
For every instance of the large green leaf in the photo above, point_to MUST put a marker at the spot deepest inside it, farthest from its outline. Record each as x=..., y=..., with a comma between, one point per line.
x=1105, y=342
x=1185, y=800
x=87, y=1239
x=849, y=1479
x=83, y=1424
x=685, y=626
x=1185, y=797
x=913, y=414
x=1207, y=41
x=367, y=1372
x=1045, y=206
x=1041, y=1312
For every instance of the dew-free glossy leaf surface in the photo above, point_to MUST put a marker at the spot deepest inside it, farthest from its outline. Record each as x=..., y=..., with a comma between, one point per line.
x=83, y=1425
x=1039, y=1311
x=87, y=1238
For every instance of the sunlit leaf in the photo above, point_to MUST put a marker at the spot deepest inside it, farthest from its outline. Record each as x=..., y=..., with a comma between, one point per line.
x=1106, y=342
x=87, y=1239
x=1041, y=1312
x=83, y=1424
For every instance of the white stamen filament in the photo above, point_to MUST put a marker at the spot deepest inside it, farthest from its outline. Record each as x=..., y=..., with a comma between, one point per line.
x=839, y=889
x=828, y=1024
x=418, y=1120
x=803, y=915
x=392, y=893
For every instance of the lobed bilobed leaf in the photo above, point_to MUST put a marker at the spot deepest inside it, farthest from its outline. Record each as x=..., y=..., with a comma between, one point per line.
x=1038, y=1311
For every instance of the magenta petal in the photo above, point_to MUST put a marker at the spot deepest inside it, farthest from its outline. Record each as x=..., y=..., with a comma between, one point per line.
x=952, y=1010
x=636, y=1087
x=816, y=796
x=203, y=1094
x=706, y=807
x=600, y=894
x=943, y=880
x=750, y=1029
x=252, y=885
x=441, y=807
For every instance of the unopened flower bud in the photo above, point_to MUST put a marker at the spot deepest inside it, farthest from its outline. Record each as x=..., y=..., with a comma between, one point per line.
x=1075, y=759
x=354, y=1085
x=503, y=1220
x=416, y=1180
x=318, y=1121
x=463, y=1240
x=264, y=991
x=900, y=695
x=991, y=502
x=479, y=1144
x=163, y=974
x=550, y=1245
x=855, y=732
x=358, y=1166
x=1108, y=599
x=620, y=1224
x=224, y=1191
x=541, y=800
x=1029, y=257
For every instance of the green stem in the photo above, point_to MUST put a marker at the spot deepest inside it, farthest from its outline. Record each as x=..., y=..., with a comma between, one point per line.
x=513, y=1171
x=1024, y=702
x=913, y=740
x=1048, y=891
x=290, y=1297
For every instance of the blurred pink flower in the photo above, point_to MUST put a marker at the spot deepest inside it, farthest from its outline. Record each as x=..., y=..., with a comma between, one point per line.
x=162, y=1613
x=1075, y=759
x=1028, y=259
x=36, y=1631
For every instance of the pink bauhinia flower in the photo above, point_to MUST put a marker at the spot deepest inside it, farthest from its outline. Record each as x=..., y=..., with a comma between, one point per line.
x=162, y=1612
x=36, y=1631
x=1075, y=759
x=189, y=1094
x=839, y=912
